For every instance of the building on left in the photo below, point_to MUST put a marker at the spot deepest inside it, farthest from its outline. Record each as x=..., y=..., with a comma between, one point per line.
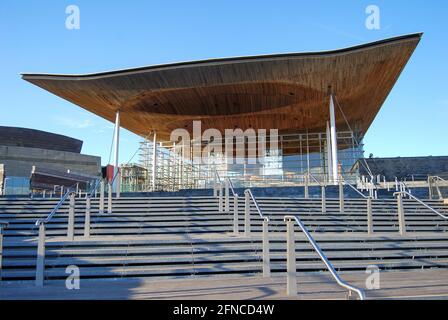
x=33, y=161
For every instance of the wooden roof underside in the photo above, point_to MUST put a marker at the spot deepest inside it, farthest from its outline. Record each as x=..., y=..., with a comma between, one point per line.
x=287, y=92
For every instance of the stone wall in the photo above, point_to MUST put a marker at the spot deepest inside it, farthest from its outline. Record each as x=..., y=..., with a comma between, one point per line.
x=18, y=161
x=404, y=168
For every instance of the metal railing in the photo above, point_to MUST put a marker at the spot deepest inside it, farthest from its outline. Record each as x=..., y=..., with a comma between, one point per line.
x=433, y=181
x=351, y=186
x=56, y=208
x=291, y=260
x=41, y=223
x=248, y=196
x=411, y=196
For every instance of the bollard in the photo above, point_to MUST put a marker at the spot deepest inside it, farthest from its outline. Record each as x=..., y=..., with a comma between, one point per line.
x=266, y=254
x=226, y=196
x=87, y=219
x=247, y=230
x=40, y=262
x=341, y=196
x=109, y=199
x=291, y=277
x=307, y=194
x=400, y=211
x=101, y=209
x=369, y=216
x=235, y=215
x=324, y=200
x=71, y=218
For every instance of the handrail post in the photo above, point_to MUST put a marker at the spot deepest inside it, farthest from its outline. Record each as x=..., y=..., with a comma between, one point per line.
x=87, y=219
x=71, y=218
x=341, y=196
x=369, y=216
x=400, y=211
x=247, y=226
x=291, y=269
x=40, y=262
x=102, y=197
x=266, y=253
x=215, y=190
x=220, y=197
x=324, y=200
x=109, y=199
x=226, y=195
x=307, y=194
x=235, y=214
x=1, y=249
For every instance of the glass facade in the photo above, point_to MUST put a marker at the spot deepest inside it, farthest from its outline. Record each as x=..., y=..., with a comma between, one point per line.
x=17, y=186
x=295, y=156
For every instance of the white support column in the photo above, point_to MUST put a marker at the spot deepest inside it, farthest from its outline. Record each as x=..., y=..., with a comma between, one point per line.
x=329, y=162
x=116, y=152
x=154, y=161
x=334, y=143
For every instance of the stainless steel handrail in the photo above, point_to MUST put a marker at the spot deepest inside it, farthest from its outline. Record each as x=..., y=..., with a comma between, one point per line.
x=325, y=260
x=56, y=208
x=217, y=176
x=260, y=213
x=315, y=179
x=422, y=203
x=231, y=187
x=95, y=188
x=349, y=184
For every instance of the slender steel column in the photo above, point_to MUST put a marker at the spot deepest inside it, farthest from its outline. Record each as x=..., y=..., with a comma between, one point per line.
x=116, y=152
x=154, y=161
x=334, y=143
x=329, y=161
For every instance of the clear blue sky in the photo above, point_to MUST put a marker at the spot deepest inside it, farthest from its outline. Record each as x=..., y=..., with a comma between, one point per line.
x=122, y=34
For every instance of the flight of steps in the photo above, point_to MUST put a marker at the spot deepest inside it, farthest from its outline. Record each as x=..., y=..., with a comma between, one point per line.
x=188, y=236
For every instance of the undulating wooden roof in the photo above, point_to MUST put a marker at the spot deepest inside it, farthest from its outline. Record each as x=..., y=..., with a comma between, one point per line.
x=289, y=92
